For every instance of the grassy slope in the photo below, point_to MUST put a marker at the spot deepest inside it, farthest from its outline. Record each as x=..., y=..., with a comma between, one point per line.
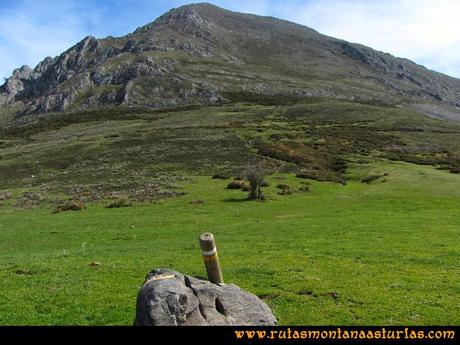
x=387, y=251
x=114, y=146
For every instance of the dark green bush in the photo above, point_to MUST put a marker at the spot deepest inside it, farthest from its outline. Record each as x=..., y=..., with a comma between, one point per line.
x=305, y=176
x=119, y=203
x=276, y=136
x=285, y=191
x=282, y=186
x=237, y=184
x=220, y=176
x=71, y=205
x=339, y=165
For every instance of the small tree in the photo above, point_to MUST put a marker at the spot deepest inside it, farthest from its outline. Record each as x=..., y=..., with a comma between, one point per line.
x=255, y=174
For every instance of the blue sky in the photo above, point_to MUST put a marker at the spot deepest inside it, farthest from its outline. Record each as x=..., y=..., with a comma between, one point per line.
x=426, y=31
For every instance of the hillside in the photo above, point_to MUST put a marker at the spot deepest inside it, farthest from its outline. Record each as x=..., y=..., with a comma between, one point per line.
x=190, y=94
x=202, y=54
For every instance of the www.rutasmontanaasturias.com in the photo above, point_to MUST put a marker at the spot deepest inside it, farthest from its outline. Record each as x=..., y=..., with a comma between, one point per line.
x=339, y=333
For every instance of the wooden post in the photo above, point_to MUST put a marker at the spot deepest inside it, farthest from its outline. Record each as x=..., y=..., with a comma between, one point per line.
x=210, y=258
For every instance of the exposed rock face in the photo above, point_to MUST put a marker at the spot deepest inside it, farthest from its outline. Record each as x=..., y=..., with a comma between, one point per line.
x=169, y=298
x=199, y=53
x=16, y=83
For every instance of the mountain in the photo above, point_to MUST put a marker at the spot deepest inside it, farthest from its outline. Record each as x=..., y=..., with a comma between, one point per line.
x=202, y=54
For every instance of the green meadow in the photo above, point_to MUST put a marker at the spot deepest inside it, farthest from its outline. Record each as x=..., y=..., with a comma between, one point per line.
x=385, y=252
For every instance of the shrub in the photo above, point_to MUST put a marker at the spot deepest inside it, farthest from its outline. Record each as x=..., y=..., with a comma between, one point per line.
x=219, y=176
x=236, y=184
x=71, y=205
x=33, y=196
x=276, y=136
x=304, y=176
x=119, y=203
x=5, y=196
x=286, y=191
x=443, y=167
x=282, y=186
x=304, y=189
x=339, y=165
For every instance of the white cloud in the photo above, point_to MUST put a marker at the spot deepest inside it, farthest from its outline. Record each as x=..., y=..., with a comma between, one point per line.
x=27, y=38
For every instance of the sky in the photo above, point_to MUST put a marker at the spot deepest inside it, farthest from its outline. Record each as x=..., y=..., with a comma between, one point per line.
x=425, y=31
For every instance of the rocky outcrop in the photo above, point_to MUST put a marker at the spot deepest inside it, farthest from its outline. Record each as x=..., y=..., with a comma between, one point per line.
x=170, y=298
x=53, y=84
x=16, y=83
x=403, y=75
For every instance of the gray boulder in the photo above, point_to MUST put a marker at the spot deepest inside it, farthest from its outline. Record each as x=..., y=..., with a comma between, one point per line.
x=170, y=298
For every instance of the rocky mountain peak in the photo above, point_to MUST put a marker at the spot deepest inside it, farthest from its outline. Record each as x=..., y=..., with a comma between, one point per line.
x=22, y=72
x=185, y=18
x=44, y=65
x=89, y=43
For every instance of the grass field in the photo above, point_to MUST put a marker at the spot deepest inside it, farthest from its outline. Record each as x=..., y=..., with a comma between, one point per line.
x=380, y=253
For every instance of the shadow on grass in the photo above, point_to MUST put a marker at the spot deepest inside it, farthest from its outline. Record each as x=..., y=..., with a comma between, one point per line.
x=237, y=199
